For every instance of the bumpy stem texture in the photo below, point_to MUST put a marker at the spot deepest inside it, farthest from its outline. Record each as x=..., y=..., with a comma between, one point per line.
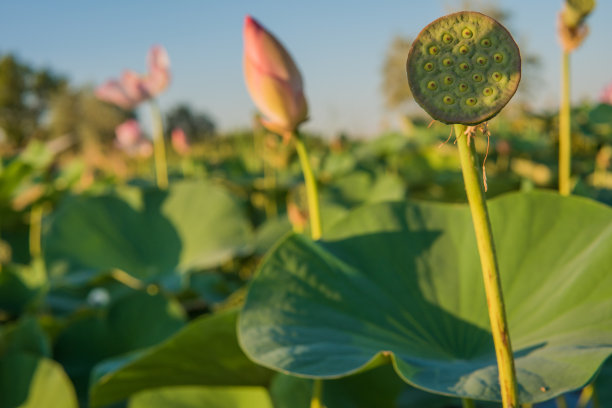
x=490, y=270
x=565, y=159
x=159, y=148
x=311, y=189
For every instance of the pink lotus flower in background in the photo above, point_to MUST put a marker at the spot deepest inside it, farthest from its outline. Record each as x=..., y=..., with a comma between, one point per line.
x=273, y=80
x=606, y=95
x=179, y=142
x=159, y=70
x=131, y=141
x=132, y=89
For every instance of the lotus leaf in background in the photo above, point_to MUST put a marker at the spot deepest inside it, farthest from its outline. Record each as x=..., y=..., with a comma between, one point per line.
x=209, y=397
x=598, y=123
x=379, y=387
x=28, y=381
x=361, y=187
x=401, y=281
x=337, y=197
x=205, y=352
x=24, y=336
x=28, y=377
x=22, y=169
x=150, y=234
x=21, y=287
x=205, y=355
x=135, y=321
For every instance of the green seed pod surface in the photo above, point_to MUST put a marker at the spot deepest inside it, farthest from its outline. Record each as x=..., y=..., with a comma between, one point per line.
x=476, y=67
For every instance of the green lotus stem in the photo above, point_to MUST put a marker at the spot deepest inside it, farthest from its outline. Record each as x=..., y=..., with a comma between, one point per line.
x=490, y=270
x=36, y=214
x=314, y=217
x=585, y=396
x=159, y=148
x=467, y=403
x=270, y=182
x=561, y=402
x=565, y=158
x=127, y=279
x=317, y=391
x=314, y=214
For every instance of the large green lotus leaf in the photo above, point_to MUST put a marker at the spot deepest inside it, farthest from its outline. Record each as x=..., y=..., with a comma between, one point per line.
x=205, y=352
x=147, y=233
x=361, y=186
x=198, y=397
x=133, y=322
x=337, y=164
x=600, y=121
x=405, y=278
x=27, y=381
x=21, y=286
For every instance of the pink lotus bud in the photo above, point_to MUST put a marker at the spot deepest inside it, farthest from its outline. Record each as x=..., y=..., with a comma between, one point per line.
x=113, y=92
x=133, y=89
x=130, y=140
x=158, y=76
x=273, y=80
x=606, y=95
x=179, y=142
x=144, y=149
x=128, y=133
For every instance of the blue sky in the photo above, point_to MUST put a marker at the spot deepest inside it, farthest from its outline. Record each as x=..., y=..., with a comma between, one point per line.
x=338, y=45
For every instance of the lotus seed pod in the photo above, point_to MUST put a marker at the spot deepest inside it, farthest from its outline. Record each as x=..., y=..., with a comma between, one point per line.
x=575, y=11
x=463, y=68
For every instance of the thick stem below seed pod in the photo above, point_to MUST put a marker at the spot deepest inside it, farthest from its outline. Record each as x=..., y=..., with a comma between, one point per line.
x=317, y=392
x=490, y=271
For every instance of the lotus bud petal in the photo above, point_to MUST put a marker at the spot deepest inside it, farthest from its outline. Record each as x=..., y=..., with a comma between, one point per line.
x=606, y=95
x=179, y=142
x=134, y=86
x=273, y=80
x=143, y=149
x=158, y=77
x=128, y=133
x=113, y=92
